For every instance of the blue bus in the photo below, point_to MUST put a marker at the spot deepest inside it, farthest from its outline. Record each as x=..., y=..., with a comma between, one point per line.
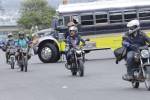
x=102, y=17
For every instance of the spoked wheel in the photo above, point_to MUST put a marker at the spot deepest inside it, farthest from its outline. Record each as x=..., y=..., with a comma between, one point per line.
x=147, y=81
x=135, y=84
x=81, y=68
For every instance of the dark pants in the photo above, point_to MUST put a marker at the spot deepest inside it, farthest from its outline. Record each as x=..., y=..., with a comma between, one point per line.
x=68, y=56
x=131, y=64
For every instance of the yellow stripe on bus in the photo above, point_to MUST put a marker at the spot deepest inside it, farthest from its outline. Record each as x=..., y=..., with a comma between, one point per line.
x=107, y=41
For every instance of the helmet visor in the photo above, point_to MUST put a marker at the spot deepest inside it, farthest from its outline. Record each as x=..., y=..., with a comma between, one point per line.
x=133, y=27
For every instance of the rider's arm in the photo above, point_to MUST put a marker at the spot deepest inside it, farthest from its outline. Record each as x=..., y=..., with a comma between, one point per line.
x=125, y=41
x=68, y=41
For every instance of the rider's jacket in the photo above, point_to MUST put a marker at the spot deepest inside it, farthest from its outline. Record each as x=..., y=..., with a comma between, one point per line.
x=10, y=42
x=133, y=42
x=23, y=43
x=74, y=41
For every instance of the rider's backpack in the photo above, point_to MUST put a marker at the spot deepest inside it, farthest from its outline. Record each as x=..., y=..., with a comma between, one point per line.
x=120, y=53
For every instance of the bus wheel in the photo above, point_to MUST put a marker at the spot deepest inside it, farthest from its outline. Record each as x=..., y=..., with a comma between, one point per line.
x=48, y=53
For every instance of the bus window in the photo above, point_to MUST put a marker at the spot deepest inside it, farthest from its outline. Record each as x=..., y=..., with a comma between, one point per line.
x=116, y=17
x=66, y=20
x=60, y=21
x=87, y=20
x=130, y=15
x=101, y=18
x=144, y=15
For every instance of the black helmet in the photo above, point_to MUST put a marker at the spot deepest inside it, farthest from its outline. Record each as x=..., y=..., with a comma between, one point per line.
x=21, y=34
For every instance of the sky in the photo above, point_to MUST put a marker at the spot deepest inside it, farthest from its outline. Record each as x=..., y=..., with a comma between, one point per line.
x=8, y=4
x=11, y=8
x=10, y=14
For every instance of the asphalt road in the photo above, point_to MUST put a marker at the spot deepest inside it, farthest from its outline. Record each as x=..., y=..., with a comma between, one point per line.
x=102, y=81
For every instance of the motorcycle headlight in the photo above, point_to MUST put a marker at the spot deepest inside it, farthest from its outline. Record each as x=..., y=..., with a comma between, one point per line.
x=78, y=51
x=145, y=54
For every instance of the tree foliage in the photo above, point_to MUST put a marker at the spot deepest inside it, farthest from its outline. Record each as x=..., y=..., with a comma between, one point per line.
x=35, y=13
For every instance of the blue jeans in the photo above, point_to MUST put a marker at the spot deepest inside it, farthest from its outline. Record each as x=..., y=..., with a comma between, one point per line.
x=131, y=65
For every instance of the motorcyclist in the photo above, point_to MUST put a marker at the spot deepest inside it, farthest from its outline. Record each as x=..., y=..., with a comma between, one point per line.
x=133, y=39
x=9, y=44
x=70, y=24
x=73, y=40
x=22, y=42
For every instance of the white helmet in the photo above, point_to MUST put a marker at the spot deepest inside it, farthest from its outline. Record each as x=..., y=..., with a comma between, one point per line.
x=10, y=34
x=73, y=28
x=133, y=25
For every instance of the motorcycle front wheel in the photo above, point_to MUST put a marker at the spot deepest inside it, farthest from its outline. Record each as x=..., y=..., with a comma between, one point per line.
x=12, y=64
x=74, y=73
x=135, y=84
x=81, y=68
x=26, y=64
x=21, y=67
x=147, y=81
x=73, y=70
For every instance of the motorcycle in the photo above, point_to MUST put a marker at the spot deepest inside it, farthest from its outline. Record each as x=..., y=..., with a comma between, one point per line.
x=11, y=58
x=23, y=58
x=142, y=72
x=77, y=60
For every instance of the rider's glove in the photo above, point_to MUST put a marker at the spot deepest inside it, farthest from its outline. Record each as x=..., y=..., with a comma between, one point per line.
x=126, y=44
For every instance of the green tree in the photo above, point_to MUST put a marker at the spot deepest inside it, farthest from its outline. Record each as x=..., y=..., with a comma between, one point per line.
x=35, y=13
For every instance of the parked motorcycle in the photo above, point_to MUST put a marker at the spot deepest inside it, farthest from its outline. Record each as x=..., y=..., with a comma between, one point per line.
x=142, y=72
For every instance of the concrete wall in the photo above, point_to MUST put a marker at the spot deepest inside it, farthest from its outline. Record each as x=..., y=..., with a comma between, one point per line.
x=9, y=28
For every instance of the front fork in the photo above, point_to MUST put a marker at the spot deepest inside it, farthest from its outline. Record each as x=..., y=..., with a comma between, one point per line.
x=143, y=66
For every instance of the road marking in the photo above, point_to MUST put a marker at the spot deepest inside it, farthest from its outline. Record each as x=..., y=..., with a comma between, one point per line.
x=64, y=87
